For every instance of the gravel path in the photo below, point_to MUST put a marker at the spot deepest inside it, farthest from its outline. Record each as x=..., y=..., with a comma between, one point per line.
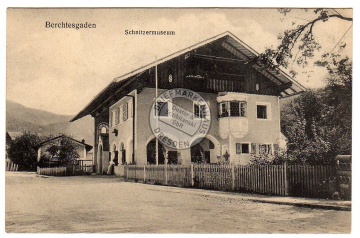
x=100, y=204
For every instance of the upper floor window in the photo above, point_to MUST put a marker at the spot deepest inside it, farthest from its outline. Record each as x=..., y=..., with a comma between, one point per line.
x=232, y=109
x=199, y=110
x=103, y=129
x=161, y=109
x=263, y=111
x=112, y=118
x=117, y=116
x=125, y=111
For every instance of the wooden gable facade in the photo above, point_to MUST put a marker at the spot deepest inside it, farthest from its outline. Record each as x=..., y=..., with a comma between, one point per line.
x=220, y=64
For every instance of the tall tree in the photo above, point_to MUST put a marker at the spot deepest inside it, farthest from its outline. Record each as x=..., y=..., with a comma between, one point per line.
x=318, y=123
x=23, y=150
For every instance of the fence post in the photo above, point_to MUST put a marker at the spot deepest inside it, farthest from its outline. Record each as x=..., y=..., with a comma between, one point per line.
x=144, y=173
x=286, y=179
x=127, y=171
x=166, y=175
x=192, y=174
x=232, y=177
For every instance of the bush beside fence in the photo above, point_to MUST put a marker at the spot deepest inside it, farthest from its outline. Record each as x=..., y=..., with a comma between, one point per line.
x=293, y=180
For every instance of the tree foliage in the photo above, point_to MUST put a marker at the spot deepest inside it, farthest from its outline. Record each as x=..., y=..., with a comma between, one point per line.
x=23, y=150
x=299, y=43
x=317, y=123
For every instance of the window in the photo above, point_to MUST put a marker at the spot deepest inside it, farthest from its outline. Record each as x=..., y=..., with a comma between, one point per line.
x=265, y=149
x=112, y=118
x=223, y=110
x=199, y=111
x=162, y=109
x=262, y=112
x=117, y=116
x=242, y=148
x=232, y=109
x=125, y=112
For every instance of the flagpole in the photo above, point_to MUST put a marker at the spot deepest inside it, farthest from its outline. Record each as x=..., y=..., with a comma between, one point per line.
x=157, y=111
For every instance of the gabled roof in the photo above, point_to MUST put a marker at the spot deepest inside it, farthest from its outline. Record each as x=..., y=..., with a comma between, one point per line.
x=246, y=52
x=87, y=147
x=14, y=134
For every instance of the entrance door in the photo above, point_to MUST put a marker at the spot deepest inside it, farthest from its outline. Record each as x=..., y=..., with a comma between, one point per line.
x=123, y=156
x=207, y=156
x=151, y=152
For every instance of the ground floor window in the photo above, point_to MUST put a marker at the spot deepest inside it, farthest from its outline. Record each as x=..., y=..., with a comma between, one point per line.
x=265, y=149
x=242, y=148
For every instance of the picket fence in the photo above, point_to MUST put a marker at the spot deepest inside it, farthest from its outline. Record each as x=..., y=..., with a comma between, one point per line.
x=10, y=166
x=56, y=171
x=293, y=180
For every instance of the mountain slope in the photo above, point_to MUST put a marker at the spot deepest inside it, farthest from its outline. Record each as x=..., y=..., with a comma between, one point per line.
x=20, y=118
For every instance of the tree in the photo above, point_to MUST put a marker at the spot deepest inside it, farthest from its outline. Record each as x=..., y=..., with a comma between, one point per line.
x=65, y=150
x=318, y=123
x=299, y=43
x=23, y=150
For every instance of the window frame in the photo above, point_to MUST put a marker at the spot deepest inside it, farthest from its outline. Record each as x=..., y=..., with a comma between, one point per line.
x=125, y=112
x=239, y=148
x=117, y=116
x=130, y=109
x=242, y=109
x=169, y=102
x=201, y=115
x=271, y=149
x=268, y=111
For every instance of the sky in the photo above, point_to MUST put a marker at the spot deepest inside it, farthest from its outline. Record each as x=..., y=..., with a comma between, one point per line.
x=62, y=70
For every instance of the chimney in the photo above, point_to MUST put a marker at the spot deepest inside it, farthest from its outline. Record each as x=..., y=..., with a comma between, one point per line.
x=83, y=141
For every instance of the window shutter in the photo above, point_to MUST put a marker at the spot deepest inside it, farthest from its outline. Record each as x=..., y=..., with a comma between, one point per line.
x=276, y=148
x=238, y=148
x=253, y=148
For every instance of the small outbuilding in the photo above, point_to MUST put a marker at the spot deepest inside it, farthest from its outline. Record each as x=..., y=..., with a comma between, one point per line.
x=82, y=148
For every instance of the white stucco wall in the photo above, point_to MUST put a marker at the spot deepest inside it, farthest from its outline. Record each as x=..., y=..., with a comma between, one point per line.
x=260, y=131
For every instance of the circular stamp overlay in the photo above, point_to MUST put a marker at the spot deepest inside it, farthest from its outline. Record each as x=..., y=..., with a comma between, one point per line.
x=179, y=118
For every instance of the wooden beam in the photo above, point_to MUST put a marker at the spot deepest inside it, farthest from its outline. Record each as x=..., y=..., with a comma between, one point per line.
x=268, y=75
x=215, y=58
x=235, y=51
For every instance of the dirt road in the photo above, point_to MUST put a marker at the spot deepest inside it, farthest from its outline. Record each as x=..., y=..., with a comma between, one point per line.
x=108, y=205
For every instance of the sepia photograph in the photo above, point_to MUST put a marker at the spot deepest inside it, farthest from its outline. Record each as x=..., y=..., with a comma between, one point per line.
x=183, y=120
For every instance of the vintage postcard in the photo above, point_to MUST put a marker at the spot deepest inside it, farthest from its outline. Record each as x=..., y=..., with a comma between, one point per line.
x=179, y=120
